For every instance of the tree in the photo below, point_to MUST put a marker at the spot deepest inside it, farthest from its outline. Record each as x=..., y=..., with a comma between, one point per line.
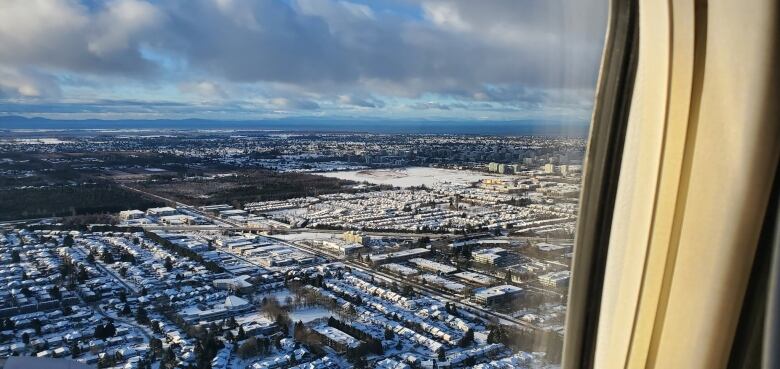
x=108, y=257
x=83, y=275
x=26, y=292
x=168, y=264
x=169, y=358
x=441, y=354
x=55, y=292
x=389, y=334
x=299, y=331
x=141, y=316
x=26, y=338
x=100, y=332
x=241, y=334
x=467, y=339
x=249, y=348
x=155, y=344
x=15, y=256
x=8, y=324
x=232, y=323
x=37, y=325
x=422, y=241
x=68, y=240
x=105, y=330
x=75, y=349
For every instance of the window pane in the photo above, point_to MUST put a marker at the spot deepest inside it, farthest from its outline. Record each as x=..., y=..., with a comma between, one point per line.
x=309, y=184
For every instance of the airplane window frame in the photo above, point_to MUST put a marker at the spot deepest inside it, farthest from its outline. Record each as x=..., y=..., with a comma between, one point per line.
x=599, y=188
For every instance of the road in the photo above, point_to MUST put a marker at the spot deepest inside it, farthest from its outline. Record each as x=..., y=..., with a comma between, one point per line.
x=454, y=299
x=239, y=227
x=144, y=330
x=457, y=300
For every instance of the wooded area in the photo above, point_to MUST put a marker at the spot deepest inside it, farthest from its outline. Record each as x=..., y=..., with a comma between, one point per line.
x=26, y=203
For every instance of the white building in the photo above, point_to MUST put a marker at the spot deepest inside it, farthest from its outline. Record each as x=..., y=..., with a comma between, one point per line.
x=555, y=279
x=160, y=212
x=497, y=295
x=131, y=214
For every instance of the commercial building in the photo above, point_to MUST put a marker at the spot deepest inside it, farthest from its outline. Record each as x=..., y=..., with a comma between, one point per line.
x=224, y=214
x=239, y=283
x=475, y=278
x=343, y=249
x=216, y=208
x=555, y=279
x=443, y=283
x=491, y=256
x=232, y=306
x=131, y=214
x=498, y=294
x=161, y=212
x=433, y=266
x=548, y=247
x=401, y=270
x=355, y=237
x=404, y=255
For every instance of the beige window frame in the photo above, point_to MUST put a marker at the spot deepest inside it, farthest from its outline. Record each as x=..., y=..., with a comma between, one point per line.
x=702, y=143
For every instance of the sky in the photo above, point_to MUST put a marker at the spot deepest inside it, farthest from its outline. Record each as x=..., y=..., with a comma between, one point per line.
x=356, y=59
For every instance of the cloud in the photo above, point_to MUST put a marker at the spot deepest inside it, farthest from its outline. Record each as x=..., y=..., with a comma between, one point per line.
x=204, y=89
x=369, y=102
x=315, y=54
x=66, y=35
x=437, y=105
x=294, y=104
x=26, y=83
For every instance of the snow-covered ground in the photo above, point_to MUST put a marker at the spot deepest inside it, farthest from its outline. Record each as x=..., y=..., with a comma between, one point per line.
x=306, y=236
x=309, y=314
x=412, y=176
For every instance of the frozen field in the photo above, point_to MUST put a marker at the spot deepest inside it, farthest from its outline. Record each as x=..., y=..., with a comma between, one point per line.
x=309, y=314
x=412, y=176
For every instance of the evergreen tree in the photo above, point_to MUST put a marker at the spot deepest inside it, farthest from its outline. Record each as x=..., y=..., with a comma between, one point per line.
x=241, y=334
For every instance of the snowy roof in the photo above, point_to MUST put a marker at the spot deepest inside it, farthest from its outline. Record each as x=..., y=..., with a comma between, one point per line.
x=337, y=336
x=234, y=302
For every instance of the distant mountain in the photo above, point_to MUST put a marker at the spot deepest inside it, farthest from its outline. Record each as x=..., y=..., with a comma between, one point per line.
x=518, y=127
